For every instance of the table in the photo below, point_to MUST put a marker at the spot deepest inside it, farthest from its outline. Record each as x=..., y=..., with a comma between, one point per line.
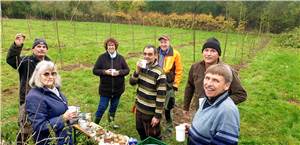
x=77, y=129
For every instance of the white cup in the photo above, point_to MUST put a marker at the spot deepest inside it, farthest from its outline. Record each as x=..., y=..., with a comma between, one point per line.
x=113, y=71
x=74, y=109
x=180, y=133
x=143, y=63
x=82, y=123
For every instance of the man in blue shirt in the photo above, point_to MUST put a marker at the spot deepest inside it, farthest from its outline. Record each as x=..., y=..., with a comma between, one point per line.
x=217, y=120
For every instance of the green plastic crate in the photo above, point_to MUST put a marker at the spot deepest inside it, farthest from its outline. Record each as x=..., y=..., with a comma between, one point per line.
x=151, y=141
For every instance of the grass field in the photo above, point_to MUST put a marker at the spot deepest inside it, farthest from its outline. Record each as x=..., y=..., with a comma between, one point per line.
x=269, y=74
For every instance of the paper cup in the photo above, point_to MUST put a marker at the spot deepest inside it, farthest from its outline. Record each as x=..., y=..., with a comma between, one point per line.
x=74, y=109
x=113, y=71
x=180, y=133
x=83, y=123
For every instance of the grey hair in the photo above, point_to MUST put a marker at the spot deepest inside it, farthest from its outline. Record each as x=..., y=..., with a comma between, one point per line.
x=42, y=67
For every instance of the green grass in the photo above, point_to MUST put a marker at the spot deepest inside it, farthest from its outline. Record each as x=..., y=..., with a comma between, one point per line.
x=271, y=78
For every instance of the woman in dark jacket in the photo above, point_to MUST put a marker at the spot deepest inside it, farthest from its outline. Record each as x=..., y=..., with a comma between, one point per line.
x=47, y=107
x=112, y=69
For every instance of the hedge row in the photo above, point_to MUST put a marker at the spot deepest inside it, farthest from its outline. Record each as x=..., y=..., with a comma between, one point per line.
x=186, y=21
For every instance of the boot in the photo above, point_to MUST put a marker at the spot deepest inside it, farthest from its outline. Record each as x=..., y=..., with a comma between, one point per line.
x=111, y=120
x=97, y=120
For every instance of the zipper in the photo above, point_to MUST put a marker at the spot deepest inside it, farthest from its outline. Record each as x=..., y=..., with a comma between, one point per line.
x=112, y=78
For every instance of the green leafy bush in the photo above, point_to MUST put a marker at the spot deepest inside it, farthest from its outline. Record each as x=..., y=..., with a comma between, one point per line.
x=290, y=39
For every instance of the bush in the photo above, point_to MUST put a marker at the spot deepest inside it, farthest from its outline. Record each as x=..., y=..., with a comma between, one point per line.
x=290, y=39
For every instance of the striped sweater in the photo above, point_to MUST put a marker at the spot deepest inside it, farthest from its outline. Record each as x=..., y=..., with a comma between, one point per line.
x=216, y=123
x=151, y=91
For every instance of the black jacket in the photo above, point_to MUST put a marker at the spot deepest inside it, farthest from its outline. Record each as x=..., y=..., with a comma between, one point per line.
x=111, y=86
x=25, y=66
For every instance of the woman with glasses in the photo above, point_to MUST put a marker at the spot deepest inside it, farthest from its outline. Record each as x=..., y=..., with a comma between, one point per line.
x=47, y=107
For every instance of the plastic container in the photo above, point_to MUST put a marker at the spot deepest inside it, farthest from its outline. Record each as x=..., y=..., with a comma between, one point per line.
x=151, y=140
x=180, y=133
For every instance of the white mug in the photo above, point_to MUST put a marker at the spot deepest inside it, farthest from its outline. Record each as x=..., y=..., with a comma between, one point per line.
x=180, y=133
x=143, y=63
x=74, y=109
x=113, y=71
x=82, y=123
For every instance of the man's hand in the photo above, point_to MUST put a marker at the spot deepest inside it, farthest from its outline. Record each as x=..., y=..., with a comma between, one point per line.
x=19, y=39
x=154, y=121
x=187, y=127
x=175, y=88
x=138, y=68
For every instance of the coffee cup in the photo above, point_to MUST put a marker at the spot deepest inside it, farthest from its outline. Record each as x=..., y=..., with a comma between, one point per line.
x=82, y=123
x=143, y=63
x=180, y=133
x=113, y=71
x=75, y=109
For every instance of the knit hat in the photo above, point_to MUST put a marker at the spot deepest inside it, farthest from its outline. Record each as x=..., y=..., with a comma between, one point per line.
x=212, y=43
x=164, y=37
x=38, y=41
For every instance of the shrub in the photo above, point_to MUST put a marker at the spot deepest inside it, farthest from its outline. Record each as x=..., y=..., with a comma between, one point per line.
x=290, y=39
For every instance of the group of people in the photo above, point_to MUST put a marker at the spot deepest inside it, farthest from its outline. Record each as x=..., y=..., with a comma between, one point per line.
x=212, y=87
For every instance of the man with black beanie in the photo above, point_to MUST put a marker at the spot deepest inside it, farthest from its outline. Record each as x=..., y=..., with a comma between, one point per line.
x=25, y=65
x=211, y=52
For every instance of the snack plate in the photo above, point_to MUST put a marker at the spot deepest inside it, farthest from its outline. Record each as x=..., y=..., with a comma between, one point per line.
x=94, y=128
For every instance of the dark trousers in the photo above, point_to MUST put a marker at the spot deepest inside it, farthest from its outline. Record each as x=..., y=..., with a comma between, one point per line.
x=144, y=128
x=103, y=104
x=169, y=104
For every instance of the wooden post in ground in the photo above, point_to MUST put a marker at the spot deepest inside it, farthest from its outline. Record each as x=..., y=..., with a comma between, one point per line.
x=226, y=36
x=58, y=41
x=28, y=25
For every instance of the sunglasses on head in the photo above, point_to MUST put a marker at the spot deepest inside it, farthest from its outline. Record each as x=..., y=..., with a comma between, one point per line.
x=48, y=74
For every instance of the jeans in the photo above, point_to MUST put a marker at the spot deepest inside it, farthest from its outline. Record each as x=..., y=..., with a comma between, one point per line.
x=104, y=100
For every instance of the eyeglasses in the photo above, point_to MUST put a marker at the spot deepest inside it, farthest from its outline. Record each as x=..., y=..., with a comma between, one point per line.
x=47, y=74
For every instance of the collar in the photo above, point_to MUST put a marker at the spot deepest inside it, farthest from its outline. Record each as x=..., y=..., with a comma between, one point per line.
x=169, y=51
x=218, y=62
x=113, y=55
x=218, y=100
x=152, y=65
x=164, y=53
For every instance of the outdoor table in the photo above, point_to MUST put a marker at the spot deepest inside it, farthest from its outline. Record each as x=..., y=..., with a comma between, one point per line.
x=77, y=129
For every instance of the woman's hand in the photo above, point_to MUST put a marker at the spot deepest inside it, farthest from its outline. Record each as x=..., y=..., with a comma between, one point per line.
x=108, y=72
x=69, y=115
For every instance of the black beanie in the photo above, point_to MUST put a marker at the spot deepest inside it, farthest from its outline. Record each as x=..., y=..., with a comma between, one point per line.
x=38, y=41
x=212, y=43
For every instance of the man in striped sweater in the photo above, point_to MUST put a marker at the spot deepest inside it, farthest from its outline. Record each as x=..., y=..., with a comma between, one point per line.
x=150, y=96
x=217, y=120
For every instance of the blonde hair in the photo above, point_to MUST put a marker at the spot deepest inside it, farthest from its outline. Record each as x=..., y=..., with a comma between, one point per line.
x=41, y=68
